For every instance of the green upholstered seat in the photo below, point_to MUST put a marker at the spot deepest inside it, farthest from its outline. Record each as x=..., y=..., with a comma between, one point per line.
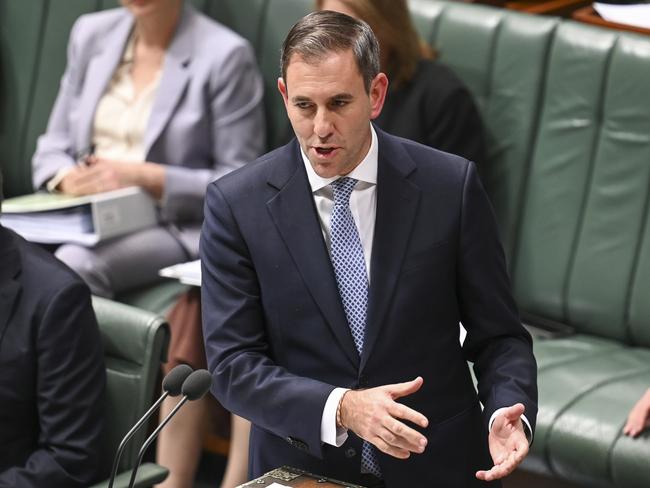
x=135, y=344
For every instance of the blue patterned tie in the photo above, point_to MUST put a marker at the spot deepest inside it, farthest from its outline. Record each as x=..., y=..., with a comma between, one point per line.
x=350, y=269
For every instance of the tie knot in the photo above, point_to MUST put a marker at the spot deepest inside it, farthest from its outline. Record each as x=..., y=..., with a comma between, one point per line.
x=342, y=190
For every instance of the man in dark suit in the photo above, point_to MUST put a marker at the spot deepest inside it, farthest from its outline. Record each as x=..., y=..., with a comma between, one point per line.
x=335, y=272
x=52, y=375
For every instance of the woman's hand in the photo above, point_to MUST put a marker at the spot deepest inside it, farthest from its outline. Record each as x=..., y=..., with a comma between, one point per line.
x=100, y=175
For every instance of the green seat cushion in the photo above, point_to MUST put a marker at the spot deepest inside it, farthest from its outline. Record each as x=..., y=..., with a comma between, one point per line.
x=585, y=436
x=576, y=431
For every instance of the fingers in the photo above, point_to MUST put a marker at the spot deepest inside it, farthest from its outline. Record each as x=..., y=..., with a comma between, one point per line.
x=399, y=390
x=514, y=412
x=639, y=418
x=505, y=463
x=637, y=422
x=400, y=411
x=401, y=436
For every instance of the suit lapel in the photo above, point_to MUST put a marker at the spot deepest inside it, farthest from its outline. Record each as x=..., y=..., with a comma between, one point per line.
x=397, y=203
x=9, y=287
x=99, y=73
x=295, y=217
x=175, y=76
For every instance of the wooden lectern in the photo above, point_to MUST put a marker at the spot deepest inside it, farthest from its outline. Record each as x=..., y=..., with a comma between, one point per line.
x=295, y=478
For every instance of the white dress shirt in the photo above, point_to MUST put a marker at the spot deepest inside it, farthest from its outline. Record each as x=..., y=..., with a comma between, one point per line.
x=363, y=206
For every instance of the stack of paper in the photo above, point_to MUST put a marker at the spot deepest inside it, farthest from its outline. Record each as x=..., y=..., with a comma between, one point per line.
x=54, y=218
x=187, y=273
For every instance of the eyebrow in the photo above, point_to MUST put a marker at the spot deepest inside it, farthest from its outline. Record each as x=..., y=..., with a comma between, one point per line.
x=338, y=96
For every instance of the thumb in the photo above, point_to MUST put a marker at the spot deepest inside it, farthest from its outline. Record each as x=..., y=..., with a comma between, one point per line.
x=399, y=390
x=514, y=412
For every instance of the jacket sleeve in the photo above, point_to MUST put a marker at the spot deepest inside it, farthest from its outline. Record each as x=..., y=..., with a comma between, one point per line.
x=496, y=342
x=55, y=148
x=70, y=397
x=238, y=134
x=238, y=347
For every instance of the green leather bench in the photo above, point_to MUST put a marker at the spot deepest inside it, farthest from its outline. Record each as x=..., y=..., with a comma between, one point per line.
x=566, y=107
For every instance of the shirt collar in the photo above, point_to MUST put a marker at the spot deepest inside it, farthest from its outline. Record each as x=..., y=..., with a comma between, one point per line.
x=365, y=171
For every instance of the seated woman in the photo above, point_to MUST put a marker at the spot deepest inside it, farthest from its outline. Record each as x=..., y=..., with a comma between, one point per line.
x=426, y=101
x=159, y=96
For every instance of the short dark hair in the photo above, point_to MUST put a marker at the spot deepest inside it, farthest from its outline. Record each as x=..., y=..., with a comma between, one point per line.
x=320, y=33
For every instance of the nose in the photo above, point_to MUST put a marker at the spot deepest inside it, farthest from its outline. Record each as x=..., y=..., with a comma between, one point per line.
x=323, y=126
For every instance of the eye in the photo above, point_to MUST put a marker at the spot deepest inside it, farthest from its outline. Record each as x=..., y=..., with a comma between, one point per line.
x=339, y=103
x=303, y=105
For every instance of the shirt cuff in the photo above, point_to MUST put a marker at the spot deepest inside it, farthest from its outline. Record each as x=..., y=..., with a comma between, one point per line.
x=527, y=430
x=330, y=433
x=54, y=182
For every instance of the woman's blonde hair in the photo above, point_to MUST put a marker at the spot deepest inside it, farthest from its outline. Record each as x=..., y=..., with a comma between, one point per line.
x=400, y=43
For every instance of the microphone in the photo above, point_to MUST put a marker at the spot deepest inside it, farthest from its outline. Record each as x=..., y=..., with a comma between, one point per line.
x=172, y=385
x=194, y=387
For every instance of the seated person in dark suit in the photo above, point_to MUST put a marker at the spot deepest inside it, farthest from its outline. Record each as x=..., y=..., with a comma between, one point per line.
x=52, y=375
x=426, y=102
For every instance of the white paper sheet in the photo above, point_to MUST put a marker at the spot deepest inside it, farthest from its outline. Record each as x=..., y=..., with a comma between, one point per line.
x=637, y=15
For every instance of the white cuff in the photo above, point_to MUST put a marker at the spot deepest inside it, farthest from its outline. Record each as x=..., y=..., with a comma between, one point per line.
x=329, y=432
x=54, y=182
x=527, y=430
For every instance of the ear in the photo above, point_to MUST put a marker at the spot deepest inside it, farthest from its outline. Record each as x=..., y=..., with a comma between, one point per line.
x=378, y=90
x=282, y=88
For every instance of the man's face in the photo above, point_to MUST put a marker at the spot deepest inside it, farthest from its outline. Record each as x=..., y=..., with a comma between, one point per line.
x=330, y=110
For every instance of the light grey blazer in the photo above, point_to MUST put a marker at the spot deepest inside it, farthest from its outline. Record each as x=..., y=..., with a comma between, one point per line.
x=206, y=120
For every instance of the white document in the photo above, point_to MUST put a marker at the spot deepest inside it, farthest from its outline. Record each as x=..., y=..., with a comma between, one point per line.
x=188, y=273
x=277, y=485
x=637, y=15
x=54, y=219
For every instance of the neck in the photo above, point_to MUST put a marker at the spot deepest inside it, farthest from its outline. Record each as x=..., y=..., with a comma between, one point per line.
x=157, y=29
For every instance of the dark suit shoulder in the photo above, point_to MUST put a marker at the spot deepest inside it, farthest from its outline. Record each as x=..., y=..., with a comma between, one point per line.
x=37, y=263
x=428, y=161
x=255, y=175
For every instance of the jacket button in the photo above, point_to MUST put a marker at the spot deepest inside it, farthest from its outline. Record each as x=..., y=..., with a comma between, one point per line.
x=350, y=452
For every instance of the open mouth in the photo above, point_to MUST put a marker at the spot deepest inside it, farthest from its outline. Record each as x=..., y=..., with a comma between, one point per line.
x=324, y=151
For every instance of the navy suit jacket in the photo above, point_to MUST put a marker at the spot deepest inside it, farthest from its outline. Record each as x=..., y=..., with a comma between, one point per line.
x=52, y=375
x=276, y=335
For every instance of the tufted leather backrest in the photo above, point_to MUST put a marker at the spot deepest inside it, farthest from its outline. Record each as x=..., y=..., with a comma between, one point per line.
x=564, y=104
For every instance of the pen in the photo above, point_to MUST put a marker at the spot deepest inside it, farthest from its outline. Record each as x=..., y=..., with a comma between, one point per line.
x=82, y=156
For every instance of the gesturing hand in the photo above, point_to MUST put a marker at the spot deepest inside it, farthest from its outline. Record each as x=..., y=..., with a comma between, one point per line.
x=639, y=417
x=373, y=415
x=508, y=443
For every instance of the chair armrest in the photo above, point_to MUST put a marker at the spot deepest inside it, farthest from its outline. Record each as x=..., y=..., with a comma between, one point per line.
x=149, y=474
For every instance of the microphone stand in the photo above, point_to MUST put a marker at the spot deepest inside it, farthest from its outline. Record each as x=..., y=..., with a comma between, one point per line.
x=152, y=437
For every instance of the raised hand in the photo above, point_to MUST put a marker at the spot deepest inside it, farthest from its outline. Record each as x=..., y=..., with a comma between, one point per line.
x=375, y=416
x=507, y=442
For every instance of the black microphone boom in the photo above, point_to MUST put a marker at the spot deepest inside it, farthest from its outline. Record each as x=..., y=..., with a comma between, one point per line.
x=194, y=387
x=172, y=385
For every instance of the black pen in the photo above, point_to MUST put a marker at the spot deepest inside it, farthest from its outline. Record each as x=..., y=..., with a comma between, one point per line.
x=82, y=156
